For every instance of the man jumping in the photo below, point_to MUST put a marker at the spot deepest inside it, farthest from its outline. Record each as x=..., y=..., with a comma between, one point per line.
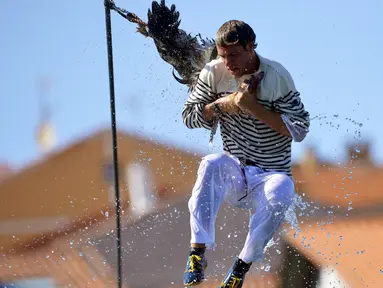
x=260, y=113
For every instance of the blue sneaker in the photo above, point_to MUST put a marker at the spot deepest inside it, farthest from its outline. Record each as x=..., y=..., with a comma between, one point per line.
x=194, y=273
x=236, y=275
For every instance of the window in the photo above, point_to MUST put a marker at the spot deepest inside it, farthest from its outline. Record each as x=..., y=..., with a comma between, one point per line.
x=30, y=283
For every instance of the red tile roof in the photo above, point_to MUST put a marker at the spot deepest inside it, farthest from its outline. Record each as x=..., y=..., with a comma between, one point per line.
x=58, y=261
x=357, y=186
x=352, y=246
x=57, y=255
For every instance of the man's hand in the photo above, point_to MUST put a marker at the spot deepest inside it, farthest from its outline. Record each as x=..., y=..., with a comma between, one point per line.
x=247, y=97
x=237, y=101
x=228, y=104
x=245, y=100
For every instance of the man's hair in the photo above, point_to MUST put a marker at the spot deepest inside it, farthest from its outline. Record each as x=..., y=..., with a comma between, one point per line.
x=235, y=32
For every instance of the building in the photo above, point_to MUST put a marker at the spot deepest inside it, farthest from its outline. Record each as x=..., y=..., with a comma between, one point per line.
x=339, y=243
x=44, y=207
x=58, y=224
x=341, y=253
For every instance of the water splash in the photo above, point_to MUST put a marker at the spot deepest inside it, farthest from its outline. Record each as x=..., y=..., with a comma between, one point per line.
x=333, y=121
x=300, y=207
x=331, y=118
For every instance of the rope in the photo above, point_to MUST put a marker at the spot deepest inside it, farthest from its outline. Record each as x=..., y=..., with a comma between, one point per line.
x=130, y=16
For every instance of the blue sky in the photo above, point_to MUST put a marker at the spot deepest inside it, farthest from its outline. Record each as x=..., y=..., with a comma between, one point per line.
x=332, y=49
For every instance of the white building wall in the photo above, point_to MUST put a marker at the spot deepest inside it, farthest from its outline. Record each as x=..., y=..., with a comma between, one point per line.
x=330, y=278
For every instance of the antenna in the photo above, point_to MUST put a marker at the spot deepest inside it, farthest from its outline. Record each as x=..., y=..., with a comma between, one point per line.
x=46, y=134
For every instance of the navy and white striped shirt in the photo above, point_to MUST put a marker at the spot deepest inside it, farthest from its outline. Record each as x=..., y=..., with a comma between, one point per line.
x=243, y=135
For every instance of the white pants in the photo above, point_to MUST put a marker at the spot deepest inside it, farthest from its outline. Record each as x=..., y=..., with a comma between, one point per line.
x=220, y=179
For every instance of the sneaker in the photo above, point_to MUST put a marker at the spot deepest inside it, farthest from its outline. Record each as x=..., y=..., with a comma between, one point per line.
x=194, y=273
x=236, y=275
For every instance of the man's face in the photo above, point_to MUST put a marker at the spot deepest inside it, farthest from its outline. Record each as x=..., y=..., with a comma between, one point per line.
x=236, y=58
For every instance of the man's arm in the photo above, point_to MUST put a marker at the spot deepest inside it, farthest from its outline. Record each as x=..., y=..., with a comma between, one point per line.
x=270, y=118
x=197, y=112
x=289, y=118
x=224, y=104
x=208, y=112
x=289, y=105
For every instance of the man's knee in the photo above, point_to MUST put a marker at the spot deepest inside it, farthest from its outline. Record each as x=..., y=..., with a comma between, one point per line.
x=217, y=160
x=281, y=189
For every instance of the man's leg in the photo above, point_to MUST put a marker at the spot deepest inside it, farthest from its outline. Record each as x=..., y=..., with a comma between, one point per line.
x=219, y=175
x=273, y=198
x=276, y=196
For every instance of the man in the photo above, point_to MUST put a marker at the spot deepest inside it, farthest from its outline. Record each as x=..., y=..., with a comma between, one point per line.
x=258, y=123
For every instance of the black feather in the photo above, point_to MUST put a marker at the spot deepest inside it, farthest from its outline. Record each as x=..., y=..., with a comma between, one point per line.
x=185, y=53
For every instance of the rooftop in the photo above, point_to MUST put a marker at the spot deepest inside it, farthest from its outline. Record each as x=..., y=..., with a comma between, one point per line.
x=351, y=246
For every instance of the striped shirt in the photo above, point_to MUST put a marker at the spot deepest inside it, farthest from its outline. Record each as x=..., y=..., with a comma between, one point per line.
x=243, y=135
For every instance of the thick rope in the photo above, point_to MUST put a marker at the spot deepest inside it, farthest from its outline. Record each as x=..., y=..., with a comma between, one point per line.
x=130, y=16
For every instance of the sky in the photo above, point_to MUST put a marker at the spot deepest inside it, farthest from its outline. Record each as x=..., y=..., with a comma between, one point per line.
x=331, y=48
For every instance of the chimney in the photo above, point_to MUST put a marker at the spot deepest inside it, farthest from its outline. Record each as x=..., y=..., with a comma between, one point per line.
x=142, y=200
x=309, y=161
x=5, y=171
x=359, y=153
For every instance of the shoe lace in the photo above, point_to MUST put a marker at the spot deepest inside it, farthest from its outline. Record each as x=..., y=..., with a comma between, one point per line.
x=195, y=261
x=233, y=282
